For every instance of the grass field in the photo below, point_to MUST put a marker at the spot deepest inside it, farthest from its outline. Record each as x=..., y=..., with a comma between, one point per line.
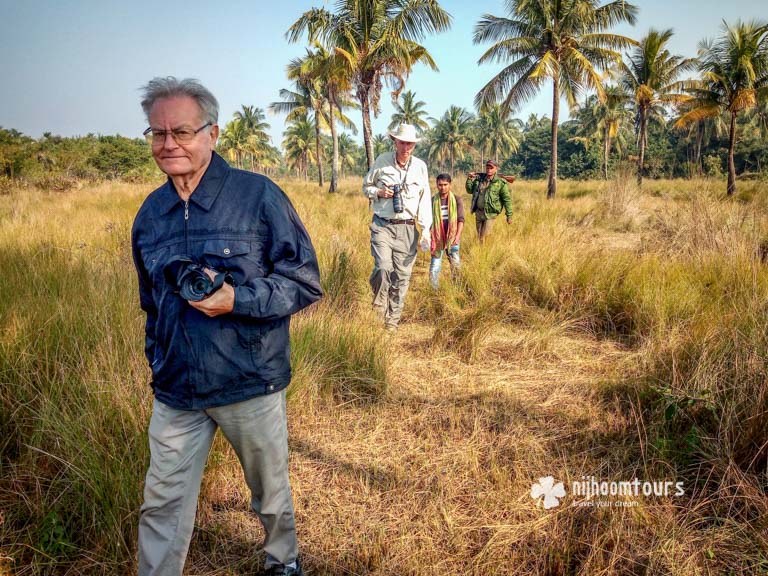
x=610, y=334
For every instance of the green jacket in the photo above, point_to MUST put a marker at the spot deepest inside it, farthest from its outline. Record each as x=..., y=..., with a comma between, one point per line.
x=497, y=196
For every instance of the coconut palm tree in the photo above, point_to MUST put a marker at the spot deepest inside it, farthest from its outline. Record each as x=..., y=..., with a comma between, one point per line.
x=497, y=134
x=299, y=145
x=311, y=97
x=307, y=100
x=701, y=133
x=411, y=111
x=734, y=70
x=349, y=151
x=381, y=143
x=379, y=41
x=233, y=141
x=563, y=41
x=604, y=121
x=334, y=74
x=255, y=125
x=450, y=136
x=651, y=75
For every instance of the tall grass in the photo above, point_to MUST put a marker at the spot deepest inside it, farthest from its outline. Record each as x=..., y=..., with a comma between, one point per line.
x=75, y=394
x=607, y=331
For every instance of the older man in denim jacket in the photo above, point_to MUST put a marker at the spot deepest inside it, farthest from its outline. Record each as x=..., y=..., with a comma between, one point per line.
x=221, y=361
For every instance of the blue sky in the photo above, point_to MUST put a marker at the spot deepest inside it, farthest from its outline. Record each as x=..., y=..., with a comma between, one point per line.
x=76, y=67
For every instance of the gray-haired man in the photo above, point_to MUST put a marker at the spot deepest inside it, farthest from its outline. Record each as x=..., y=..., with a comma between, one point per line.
x=398, y=186
x=222, y=361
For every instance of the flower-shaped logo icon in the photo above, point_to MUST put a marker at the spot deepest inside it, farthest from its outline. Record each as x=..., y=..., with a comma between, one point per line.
x=552, y=492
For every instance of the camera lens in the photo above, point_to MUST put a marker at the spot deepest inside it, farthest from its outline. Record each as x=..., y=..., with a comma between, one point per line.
x=397, y=199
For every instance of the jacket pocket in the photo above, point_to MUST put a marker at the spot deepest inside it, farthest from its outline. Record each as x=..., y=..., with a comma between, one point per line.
x=233, y=256
x=226, y=249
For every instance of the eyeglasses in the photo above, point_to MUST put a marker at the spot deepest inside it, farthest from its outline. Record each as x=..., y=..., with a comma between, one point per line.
x=180, y=135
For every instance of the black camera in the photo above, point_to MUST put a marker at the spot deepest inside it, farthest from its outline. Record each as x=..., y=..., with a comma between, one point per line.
x=191, y=280
x=397, y=199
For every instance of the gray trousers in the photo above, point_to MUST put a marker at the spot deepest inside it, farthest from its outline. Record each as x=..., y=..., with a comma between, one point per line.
x=179, y=442
x=393, y=247
x=482, y=225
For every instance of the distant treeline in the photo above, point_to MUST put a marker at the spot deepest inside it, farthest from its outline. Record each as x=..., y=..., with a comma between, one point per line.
x=55, y=162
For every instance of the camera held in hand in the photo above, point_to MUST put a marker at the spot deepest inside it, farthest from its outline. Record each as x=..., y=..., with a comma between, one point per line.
x=397, y=199
x=191, y=279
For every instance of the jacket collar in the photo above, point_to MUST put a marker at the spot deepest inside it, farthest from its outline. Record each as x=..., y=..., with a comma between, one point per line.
x=206, y=192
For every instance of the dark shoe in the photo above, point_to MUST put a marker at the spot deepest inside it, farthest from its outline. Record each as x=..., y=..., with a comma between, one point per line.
x=282, y=570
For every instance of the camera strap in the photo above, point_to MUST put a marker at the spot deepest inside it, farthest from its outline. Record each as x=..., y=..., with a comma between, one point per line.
x=406, y=168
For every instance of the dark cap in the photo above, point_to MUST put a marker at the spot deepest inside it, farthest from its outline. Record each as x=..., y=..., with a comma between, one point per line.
x=492, y=163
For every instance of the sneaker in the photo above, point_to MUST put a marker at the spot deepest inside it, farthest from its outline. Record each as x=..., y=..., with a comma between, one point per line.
x=283, y=570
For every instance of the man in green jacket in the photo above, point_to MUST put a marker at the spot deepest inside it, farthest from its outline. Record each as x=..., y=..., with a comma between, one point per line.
x=490, y=194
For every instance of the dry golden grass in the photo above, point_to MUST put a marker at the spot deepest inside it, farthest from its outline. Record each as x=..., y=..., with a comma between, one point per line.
x=415, y=454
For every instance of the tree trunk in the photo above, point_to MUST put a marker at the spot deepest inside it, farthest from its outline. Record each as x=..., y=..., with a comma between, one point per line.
x=699, y=141
x=552, y=185
x=606, y=152
x=731, y=163
x=641, y=145
x=318, y=149
x=362, y=96
x=335, y=157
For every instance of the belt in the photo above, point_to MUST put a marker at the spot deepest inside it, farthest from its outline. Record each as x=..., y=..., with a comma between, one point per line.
x=388, y=221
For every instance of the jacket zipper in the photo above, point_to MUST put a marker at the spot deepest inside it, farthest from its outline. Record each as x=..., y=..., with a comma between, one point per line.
x=190, y=383
x=186, y=225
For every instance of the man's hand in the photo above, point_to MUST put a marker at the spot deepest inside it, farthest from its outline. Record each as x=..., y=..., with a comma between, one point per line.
x=472, y=174
x=509, y=219
x=424, y=243
x=220, y=302
x=384, y=193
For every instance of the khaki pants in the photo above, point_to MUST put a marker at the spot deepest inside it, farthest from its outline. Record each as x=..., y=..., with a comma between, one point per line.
x=179, y=442
x=483, y=225
x=393, y=247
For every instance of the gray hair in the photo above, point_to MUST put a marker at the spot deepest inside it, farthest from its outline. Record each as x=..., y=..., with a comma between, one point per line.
x=171, y=87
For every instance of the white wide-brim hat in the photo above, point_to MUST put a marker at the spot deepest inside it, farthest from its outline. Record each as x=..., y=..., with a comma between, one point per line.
x=405, y=133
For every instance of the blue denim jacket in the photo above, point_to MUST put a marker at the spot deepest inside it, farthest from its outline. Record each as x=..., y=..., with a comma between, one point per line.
x=236, y=222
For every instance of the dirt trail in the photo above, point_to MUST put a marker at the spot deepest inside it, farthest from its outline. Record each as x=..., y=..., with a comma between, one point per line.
x=425, y=480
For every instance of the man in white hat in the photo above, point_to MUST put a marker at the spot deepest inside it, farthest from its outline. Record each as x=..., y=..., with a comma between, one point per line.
x=398, y=186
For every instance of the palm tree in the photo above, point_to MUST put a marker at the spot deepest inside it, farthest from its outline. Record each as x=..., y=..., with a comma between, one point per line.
x=234, y=140
x=379, y=41
x=497, y=134
x=701, y=133
x=534, y=122
x=311, y=102
x=411, y=111
x=651, y=75
x=255, y=125
x=560, y=40
x=734, y=70
x=314, y=97
x=298, y=145
x=450, y=135
x=336, y=84
x=604, y=121
x=348, y=152
x=381, y=143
